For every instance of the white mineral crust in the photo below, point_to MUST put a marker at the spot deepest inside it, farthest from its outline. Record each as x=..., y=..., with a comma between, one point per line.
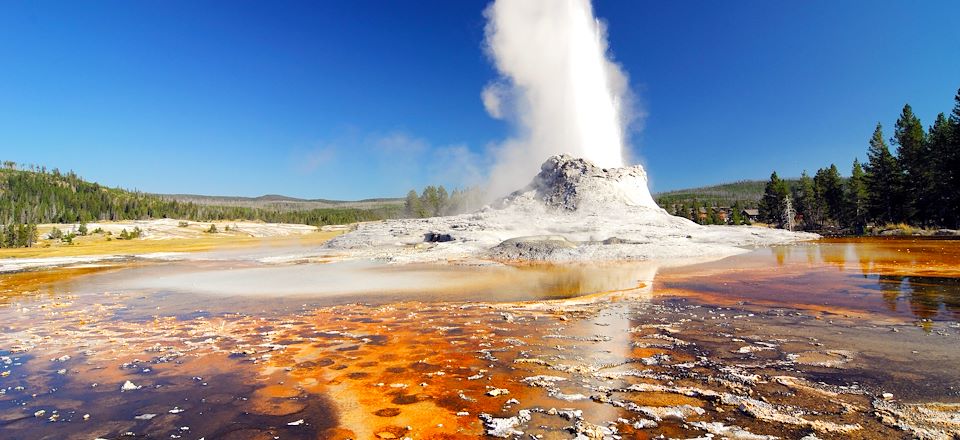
x=571, y=211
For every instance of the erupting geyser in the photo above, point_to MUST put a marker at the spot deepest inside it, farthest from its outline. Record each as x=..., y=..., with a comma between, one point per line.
x=568, y=102
x=558, y=86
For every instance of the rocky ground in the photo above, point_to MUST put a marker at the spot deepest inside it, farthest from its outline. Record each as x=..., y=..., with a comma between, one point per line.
x=620, y=367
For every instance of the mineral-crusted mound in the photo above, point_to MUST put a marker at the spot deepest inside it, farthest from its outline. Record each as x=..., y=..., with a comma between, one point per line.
x=577, y=185
x=571, y=211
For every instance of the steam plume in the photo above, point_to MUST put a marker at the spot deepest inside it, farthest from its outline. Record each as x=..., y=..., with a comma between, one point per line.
x=558, y=86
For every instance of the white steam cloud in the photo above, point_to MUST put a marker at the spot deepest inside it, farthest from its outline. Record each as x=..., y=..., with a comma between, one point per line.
x=558, y=86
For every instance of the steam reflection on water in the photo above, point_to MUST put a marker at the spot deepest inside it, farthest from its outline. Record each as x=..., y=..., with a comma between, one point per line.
x=345, y=282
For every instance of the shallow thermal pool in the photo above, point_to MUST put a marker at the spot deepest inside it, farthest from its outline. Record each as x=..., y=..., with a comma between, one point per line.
x=841, y=339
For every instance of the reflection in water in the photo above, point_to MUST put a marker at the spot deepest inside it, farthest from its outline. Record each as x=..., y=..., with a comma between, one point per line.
x=890, y=287
x=781, y=253
x=918, y=278
x=378, y=283
x=835, y=255
x=927, y=294
x=910, y=271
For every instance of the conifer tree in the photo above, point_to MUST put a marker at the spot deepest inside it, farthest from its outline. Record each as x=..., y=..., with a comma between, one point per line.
x=951, y=163
x=828, y=187
x=18, y=235
x=771, y=207
x=736, y=218
x=937, y=210
x=429, y=201
x=695, y=211
x=805, y=198
x=856, y=198
x=443, y=200
x=29, y=234
x=713, y=216
x=411, y=205
x=882, y=179
x=914, y=161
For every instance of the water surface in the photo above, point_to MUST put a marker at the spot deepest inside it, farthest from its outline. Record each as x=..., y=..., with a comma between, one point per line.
x=782, y=341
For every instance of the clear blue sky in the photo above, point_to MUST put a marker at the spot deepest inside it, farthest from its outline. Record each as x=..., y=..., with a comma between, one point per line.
x=356, y=99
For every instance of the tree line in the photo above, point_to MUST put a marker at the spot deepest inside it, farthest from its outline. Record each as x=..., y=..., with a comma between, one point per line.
x=706, y=213
x=32, y=195
x=746, y=192
x=18, y=235
x=436, y=201
x=918, y=185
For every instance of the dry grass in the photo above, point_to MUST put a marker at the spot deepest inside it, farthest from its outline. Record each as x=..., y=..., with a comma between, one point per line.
x=902, y=227
x=99, y=245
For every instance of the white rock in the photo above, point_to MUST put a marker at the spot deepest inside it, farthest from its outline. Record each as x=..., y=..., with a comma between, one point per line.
x=129, y=386
x=505, y=427
x=498, y=392
x=731, y=432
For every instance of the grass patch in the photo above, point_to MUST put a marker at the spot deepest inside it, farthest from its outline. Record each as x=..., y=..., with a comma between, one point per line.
x=99, y=245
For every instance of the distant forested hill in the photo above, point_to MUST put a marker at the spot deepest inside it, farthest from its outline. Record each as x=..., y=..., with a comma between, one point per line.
x=36, y=195
x=747, y=192
x=283, y=203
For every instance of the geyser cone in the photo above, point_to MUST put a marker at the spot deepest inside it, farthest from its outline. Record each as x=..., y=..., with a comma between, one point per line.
x=573, y=184
x=572, y=210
